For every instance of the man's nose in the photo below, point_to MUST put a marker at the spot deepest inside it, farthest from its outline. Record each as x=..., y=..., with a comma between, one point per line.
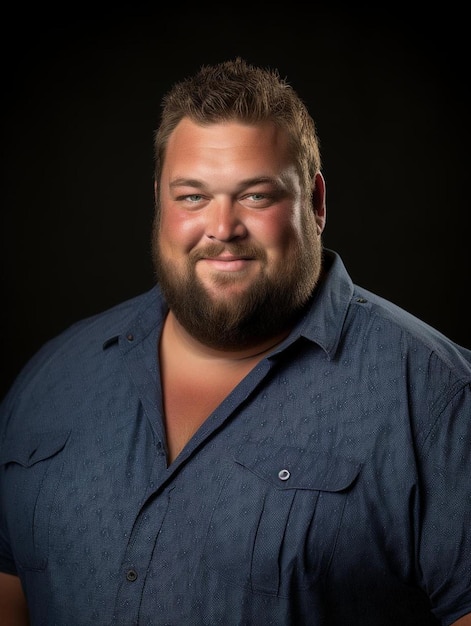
x=225, y=220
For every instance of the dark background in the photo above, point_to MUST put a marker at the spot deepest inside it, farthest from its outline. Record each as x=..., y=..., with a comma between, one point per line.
x=387, y=86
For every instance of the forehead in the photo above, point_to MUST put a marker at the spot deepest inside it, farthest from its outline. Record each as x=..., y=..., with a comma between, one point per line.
x=226, y=142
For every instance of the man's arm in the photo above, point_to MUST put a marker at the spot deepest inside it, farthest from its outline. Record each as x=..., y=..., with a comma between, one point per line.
x=13, y=607
x=463, y=621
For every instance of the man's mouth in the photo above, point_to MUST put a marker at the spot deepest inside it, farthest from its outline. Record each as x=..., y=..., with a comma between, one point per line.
x=227, y=262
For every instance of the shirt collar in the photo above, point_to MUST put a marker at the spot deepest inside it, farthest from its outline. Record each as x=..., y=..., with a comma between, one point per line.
x=135, y=319
x=324, y=318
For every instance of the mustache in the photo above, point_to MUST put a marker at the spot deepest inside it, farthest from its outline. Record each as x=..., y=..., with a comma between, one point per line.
x=214, y=250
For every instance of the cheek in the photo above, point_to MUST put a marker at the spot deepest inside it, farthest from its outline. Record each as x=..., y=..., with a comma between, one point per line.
x=277, y=233
x=179, y=230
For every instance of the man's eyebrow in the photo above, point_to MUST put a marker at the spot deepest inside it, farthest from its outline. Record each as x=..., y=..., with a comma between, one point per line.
x=280, y=183
x=256, y=180
x=186, y=182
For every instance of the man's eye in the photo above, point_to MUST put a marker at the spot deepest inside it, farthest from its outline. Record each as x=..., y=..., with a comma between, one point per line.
x=194, y=197
x=257, y=197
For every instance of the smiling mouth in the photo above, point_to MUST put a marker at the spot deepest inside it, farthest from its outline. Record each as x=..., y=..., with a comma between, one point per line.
x=228, y=263
x=233, y=257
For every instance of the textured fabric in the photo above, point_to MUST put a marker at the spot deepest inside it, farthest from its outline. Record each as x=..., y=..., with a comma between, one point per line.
x=331, y=487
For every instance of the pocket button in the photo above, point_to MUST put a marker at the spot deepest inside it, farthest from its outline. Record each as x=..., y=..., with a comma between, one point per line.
x=283, y=474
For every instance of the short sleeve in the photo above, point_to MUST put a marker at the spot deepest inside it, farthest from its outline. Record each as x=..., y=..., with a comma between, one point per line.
x=444, y=549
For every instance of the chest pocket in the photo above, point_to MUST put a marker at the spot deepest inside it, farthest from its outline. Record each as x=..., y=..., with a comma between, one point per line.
x=30, y=472
x=276, y=519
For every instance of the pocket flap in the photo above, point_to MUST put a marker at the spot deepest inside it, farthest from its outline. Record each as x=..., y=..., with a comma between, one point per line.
x=289, y=467
x=32, y=448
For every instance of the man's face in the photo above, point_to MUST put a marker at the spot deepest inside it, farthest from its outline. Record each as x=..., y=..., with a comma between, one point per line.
x=236, y=251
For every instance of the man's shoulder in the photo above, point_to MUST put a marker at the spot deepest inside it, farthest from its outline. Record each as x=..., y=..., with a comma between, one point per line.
x=401, y=333
x=82, y=345
x=100, y=327
x=113, y=319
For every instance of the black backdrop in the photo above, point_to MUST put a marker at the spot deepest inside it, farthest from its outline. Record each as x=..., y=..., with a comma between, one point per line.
x=387, y=86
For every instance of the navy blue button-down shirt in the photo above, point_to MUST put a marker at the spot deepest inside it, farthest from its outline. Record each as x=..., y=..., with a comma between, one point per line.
x=331, y=487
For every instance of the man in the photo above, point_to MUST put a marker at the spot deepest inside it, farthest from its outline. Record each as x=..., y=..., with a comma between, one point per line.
x=256, y=440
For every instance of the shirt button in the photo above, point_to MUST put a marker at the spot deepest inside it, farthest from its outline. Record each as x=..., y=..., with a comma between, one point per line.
x=283, y=474
x=130, y=337
x=131, y=575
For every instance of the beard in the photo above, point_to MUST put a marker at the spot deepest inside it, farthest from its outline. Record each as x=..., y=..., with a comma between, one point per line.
x=268, y=307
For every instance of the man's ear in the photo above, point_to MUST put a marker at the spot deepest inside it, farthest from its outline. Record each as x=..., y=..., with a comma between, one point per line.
x=318, y=202
x=156, y=190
